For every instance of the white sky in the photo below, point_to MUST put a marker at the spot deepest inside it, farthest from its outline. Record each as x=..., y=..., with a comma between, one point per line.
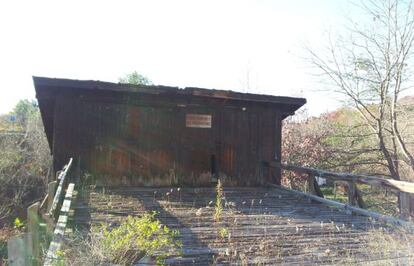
x=210, y=44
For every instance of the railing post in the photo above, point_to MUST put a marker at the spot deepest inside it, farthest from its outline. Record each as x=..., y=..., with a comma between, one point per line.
x=354, y=195
x=19, y=250
x=351, y=193
x=310, y=184
x=51, y=188
x=405, y=202
x=33, y=230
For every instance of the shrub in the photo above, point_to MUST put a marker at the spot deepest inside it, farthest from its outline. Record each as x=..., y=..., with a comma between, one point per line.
x=126, y=243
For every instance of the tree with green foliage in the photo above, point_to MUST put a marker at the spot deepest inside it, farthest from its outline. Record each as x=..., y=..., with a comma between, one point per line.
x=23, y=110
x=136, y=79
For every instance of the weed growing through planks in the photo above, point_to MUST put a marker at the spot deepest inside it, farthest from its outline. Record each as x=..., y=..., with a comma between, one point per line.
x=223, y=232
x=18, y=224
x=145, y=234
x=110, y=206
x=60, y=258
x=218, y=209
x=134, y=238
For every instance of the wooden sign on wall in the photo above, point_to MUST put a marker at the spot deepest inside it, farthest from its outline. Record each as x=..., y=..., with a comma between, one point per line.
x=198, y=121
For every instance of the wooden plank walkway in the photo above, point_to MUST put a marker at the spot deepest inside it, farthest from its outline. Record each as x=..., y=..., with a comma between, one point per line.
x=264, y=225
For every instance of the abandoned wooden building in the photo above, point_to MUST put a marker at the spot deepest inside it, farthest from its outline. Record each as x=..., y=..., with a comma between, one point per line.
x=159, y=136
x=177, y=142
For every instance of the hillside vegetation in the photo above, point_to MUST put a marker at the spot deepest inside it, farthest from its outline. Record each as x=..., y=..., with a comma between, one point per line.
x=340, y=141
x=24, y=166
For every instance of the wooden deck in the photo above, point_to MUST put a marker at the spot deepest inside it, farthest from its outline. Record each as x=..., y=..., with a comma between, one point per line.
x=265, y=225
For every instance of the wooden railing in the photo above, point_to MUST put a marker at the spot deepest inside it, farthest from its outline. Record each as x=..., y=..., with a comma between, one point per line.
x=52, y=255
x=404, y=189
x=58, y=194
x=59, y=219
x=43, y=217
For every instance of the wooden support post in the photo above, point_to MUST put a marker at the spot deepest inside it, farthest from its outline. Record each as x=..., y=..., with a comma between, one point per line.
x=351, y=193
x=310, y=184
x=19, y=250
x=51, y=188
x=318, y=190
x=358, y=197
x=405, y=205
x=33, y=230
x=49, y=219
x=354, y=195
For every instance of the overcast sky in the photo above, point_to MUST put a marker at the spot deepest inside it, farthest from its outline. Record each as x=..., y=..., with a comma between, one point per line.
x=210, y=44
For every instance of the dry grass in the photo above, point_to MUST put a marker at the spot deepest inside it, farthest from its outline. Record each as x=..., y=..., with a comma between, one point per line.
x=397, y=245
x=83, y=251
x=384, y=246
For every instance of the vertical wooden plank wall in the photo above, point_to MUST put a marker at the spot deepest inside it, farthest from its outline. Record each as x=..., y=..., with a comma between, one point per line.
x=126, y=140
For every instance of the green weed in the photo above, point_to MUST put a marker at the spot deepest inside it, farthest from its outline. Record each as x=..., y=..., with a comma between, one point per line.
x=137, y=236
x=223, y=232
x=18, y=224
x=218, y=209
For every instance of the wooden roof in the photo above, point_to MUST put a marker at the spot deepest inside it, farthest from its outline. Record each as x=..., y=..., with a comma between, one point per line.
x=42, y=83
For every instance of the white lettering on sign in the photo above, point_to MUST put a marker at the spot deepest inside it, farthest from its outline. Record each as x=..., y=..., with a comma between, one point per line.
x=197, y=120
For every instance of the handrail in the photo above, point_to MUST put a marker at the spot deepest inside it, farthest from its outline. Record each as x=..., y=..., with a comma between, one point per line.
x=405, y=189
x=61, y=177
x=353, y=209
x=37, y=219
x=59, y=232
x=59, y=222
x=401, y=186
